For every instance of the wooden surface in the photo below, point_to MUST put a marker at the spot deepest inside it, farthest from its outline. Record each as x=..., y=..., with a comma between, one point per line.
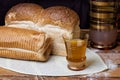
x=110, y=57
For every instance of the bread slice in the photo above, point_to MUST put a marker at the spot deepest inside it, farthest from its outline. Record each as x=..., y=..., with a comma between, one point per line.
x=24, y=44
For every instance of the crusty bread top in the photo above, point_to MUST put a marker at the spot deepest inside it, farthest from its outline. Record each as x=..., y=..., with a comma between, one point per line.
x=59, y=16
x=23, y=12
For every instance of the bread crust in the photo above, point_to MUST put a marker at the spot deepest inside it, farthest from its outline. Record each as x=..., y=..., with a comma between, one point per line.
x=23, y=12
x=21, y=38
x=61, y=16
x=22, y=55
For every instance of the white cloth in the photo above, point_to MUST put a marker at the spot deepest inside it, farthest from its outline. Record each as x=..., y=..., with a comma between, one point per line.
x=55, y=66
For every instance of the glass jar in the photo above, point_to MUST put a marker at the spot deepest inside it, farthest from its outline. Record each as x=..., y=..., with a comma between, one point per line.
x=103, y=30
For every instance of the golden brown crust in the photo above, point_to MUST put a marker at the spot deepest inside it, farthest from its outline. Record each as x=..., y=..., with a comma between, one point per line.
x=14, y=54
x=21, y=38
x=59, y=16
x=23, y=12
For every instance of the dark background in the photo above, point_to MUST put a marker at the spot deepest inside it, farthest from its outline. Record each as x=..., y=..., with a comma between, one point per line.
x=80, y=6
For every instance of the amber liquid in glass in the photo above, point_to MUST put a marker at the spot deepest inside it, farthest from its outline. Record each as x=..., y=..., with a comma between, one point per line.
x=76, y=52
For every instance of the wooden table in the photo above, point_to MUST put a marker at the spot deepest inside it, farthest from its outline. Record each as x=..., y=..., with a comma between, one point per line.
x=110, y=57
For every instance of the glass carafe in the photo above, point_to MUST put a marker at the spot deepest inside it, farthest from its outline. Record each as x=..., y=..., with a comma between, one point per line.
x=103, y=30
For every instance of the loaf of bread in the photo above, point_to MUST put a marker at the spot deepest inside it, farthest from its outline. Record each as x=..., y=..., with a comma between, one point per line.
x=24, y=44
x=56, y=21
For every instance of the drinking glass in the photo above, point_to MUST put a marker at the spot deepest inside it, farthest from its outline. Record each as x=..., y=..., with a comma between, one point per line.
x=76, y=52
